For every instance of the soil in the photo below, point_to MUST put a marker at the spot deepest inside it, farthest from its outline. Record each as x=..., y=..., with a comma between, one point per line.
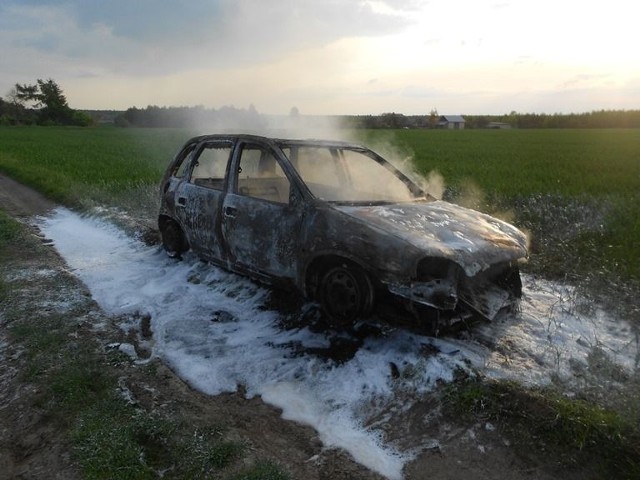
x=20, y=201
x=35, y=446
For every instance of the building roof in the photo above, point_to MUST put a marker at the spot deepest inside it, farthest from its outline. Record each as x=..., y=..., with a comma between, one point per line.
x=452, y=118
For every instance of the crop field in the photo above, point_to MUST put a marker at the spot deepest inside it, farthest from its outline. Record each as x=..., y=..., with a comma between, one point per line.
x=517, y=163
x=576, y=191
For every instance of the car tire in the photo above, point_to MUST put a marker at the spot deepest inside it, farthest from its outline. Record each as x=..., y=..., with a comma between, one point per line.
x=173, y=239
x=345, y=294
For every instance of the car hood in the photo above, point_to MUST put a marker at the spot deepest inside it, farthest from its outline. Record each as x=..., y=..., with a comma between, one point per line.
x=473, y=240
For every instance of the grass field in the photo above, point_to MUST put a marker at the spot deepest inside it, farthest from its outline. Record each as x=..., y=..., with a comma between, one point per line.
x=528, y=162
x=576, y=191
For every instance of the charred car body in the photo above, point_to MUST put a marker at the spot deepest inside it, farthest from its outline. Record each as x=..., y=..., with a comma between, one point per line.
x=340, y=224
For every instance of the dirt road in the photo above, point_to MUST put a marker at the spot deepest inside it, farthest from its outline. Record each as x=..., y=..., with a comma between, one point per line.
x=20, y=201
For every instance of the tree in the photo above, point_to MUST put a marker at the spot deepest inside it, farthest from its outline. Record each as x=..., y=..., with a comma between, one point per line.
x=433, y=117
x=49, y=100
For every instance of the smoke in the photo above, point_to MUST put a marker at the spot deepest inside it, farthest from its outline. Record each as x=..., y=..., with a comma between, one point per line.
x=470, y=195
x=433, y=184
x=403, y=158
x=231, y=120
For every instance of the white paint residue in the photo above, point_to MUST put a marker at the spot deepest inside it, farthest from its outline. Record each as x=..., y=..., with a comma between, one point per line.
x=215, y=352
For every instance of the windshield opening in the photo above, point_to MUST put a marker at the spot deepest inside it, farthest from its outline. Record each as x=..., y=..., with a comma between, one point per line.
x=339, y=174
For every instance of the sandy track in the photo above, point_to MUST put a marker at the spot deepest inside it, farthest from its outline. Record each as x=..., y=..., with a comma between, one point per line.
x=21, y=201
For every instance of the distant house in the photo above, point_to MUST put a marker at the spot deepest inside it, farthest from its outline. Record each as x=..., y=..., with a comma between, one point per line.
x=454, y=122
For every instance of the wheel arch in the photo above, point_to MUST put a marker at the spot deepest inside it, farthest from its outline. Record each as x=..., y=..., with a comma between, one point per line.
x=164, y=221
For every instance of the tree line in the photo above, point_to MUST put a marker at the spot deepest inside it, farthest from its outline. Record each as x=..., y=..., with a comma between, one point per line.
x=230, y=117
x=180, y=117
x=44, y=103
x=595, y=119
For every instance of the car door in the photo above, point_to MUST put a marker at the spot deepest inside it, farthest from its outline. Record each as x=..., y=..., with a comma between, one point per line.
x=199, y=198
x=262, y=214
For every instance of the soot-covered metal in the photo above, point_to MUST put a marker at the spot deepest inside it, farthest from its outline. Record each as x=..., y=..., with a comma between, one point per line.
x=340, y=224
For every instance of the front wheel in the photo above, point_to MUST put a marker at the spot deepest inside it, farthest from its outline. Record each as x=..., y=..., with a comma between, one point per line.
x=345, y=294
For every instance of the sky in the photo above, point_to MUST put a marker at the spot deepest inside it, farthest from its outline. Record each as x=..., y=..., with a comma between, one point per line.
x=328, y=57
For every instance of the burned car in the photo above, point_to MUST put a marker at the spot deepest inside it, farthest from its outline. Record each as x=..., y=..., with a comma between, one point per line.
x=340, y=224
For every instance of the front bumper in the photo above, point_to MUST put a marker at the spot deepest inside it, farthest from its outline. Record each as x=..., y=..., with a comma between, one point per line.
x=485, y=294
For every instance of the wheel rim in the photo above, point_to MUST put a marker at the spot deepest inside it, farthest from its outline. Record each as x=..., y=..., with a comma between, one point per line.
x=343, y=295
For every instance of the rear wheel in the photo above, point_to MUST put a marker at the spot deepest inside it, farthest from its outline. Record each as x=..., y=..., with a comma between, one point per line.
x=173, y=239
x=345, y=294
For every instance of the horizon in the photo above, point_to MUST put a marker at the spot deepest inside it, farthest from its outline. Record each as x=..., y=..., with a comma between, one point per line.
x=427, y=114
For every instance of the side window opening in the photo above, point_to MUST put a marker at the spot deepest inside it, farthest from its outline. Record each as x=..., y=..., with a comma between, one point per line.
x=321, y=169
x=180, y=168
x=210, y=166
x=261, y=176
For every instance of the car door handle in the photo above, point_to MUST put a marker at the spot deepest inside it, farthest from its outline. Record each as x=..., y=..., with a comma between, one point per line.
x=230, y=212
x=182, y=201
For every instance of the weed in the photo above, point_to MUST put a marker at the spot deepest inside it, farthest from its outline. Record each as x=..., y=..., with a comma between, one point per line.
x=9, y=230
x=204, y=453
x=80, y=383
x=43, y=340
x=567, y=431
x=115, y=440
x=11, y=234
x=262, y=471
x=105, y=442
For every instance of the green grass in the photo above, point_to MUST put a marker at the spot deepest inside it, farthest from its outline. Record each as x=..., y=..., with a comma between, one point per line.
x=520, y=171
x=11, y=235
x=515, y=163
x=571, y=432
x=66, y=164
x=10, y=232
x=115, y=440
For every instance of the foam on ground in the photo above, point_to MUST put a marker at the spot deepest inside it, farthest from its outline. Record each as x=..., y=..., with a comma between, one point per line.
x=246, y=345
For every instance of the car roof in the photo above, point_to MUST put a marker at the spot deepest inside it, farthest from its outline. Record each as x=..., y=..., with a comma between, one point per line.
x=278, y=141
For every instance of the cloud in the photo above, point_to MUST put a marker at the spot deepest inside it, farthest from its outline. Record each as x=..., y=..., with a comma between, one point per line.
x=149, y=37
